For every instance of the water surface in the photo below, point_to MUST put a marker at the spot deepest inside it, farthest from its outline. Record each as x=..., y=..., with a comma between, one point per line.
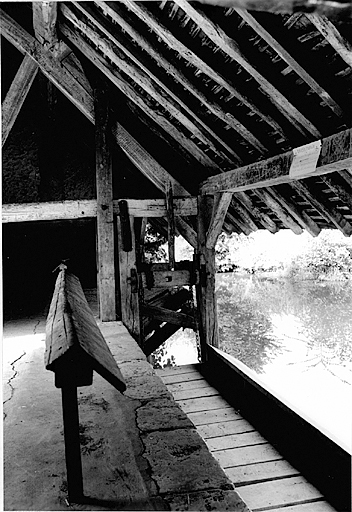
x=295, y=335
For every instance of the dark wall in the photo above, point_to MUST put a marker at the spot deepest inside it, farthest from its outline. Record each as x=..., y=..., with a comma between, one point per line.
x=31, y=251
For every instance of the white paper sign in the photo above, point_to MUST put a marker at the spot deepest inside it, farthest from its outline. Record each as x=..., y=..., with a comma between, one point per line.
x=305, y=159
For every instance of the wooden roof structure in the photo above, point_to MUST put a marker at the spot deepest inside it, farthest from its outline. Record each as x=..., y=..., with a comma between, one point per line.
x=210, y=98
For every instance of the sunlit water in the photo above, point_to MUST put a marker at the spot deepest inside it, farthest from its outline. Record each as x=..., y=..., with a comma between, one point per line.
x=295, y=336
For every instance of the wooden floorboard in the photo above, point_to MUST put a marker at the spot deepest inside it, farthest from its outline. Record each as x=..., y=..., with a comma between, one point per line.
x=285, y=492
x=203, y=404
x=234, y=441
x=212, y=417
x=260, y=472
x=192, y=384
x=237, y=426
x=247, y=455
x=183, y=377
x=187, y=394
x=265, y=481
x=320, y=506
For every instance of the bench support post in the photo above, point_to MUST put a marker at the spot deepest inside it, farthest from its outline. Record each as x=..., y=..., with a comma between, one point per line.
x=72, y=443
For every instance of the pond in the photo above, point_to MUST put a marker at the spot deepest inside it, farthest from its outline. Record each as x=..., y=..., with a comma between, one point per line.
x=295, y=335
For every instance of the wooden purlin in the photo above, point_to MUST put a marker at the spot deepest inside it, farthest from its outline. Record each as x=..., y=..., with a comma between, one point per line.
x=115, y=76
x=298, y=214
x=174, y=44
x=146, y=79
x=228, y=45
x=335, y=155
x=297, y=68
x=324, y=207
x=281, y=213
x=333, y=36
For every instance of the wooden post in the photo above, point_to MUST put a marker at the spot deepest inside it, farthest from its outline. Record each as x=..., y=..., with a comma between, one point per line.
x=170, y=225
x=130, y=314
x=105, y=214
x=72, y=443
x=205, y=289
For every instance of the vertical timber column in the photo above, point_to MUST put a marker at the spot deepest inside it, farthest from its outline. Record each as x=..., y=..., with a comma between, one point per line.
x=129, y=286
x=105, y=213
x=206, y=300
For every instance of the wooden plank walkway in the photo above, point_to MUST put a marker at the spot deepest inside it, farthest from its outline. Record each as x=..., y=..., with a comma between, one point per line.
x=261, y=476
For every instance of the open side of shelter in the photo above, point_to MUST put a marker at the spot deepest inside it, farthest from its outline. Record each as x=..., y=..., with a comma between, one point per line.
x=193, y=118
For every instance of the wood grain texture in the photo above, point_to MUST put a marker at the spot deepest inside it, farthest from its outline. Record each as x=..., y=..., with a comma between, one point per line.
x=335, y=155
x=287, y=491
x=237, y=425
x=105, y=211
x=71, y=328
x=17, y=94
x=254, y=473
x=246, y=455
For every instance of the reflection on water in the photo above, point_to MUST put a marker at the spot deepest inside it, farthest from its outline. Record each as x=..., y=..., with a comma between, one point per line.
x=295, y=335
x=263, y=321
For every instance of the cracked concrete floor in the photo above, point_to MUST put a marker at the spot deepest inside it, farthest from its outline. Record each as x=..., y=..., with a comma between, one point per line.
x=34, y=459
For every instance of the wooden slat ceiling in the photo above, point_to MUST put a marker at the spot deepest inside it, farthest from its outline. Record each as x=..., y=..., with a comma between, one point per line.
x=221, y=88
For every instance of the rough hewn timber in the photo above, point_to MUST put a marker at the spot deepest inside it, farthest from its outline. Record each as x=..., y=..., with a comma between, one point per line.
x=17, y=94
x=105, y=211
x=335, y=155
x=221, y=204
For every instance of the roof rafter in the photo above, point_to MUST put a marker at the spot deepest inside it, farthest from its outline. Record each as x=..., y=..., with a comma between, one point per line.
x=335, y=155
x=228, y=46
x=281, y=213
x=171, y=70
x=280, y=50
x=199, y=129
x=17, y=94
x=298, y=214
x=333, y=36
x=83, y=99
x=260, y=216
x=322, y=205
x=174, y=44
x=115, y=77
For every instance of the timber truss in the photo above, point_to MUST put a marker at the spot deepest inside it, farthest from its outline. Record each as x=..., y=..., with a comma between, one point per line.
x=254, y=107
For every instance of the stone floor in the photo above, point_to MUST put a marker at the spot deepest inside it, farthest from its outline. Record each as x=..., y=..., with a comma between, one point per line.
x=139, y=450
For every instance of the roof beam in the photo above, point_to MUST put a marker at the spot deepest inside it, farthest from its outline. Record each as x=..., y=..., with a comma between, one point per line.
x=298, y=214
x=279, y=211
x=324, y=207
x=44, y=24
x=78, y=209
x=82, y=97
x=146, y=79
x=115, y=77
x=297, y=68
x=260, y=216
x=171, y=70
x=338, y=8
x=220, y=207
x=333, y=36
x=339, y=190
x=17, y=94
x=245, y=216
x=335, y=155
x=228, y=46
x=174, y=44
